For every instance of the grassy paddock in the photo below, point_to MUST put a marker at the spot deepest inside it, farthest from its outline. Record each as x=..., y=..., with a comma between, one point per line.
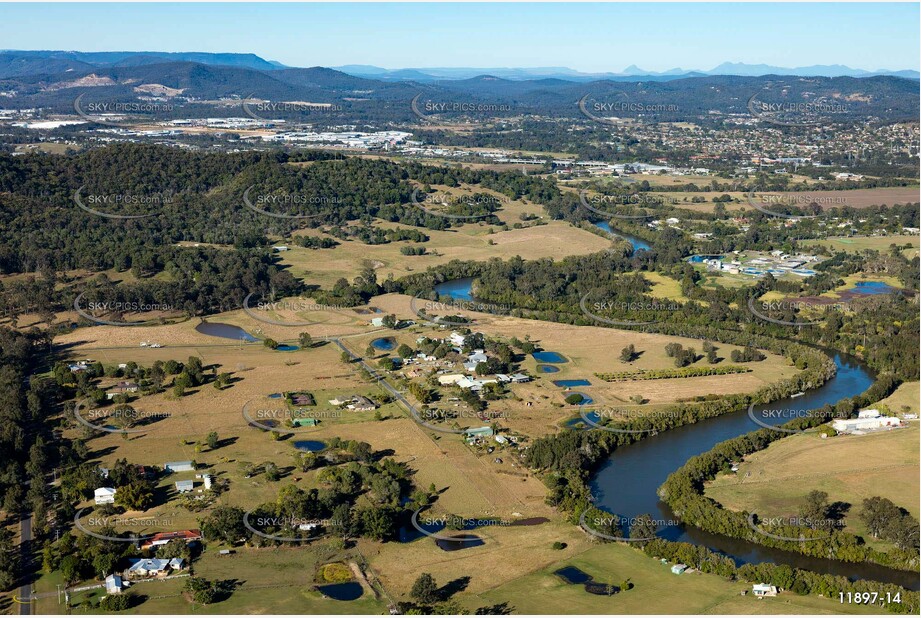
x=656, y=590
x=774, y=482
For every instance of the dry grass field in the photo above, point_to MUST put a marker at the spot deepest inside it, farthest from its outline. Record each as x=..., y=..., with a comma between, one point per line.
x=656, y=590
x=774, y=482
x=473, y=241
x=854, y=198
x=856, y=244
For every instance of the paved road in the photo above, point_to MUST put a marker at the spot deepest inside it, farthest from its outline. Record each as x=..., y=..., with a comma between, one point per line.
x=25, y=548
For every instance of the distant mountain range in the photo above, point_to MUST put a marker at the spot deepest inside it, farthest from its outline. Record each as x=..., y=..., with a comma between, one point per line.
x=217, y=84
x=632, y=72
x=26, y=62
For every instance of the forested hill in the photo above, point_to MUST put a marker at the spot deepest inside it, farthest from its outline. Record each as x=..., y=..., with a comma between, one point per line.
x=191, y=196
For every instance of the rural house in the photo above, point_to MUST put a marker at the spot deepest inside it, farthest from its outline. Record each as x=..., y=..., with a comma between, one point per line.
x=104, y=495
x=141, y=568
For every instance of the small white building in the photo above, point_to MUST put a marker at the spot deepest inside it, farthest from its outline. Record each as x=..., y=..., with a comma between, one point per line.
x=868, y=414
x=764, y=590
x=185, y=487
x=105, y=495
x=179, y=466
x=114, y=584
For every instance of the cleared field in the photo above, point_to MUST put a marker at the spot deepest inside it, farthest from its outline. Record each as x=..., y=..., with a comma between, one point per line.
x=664, y=287
x=774, y=482
x=904, y=400
x=860, y=198
x=469, y=484
x=656, y=590
x=856, y=244
x=471, y=242
x=508, y=553
x=592, y=349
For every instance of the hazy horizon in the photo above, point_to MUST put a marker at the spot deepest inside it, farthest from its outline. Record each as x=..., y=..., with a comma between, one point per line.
x=590, y=38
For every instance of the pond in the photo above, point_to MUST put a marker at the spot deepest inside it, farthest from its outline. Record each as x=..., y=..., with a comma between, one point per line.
x=548, y=369
x=569, y=383
x=345, y=591
x=225, y=331
x=311, y=446
x=573, y=575
x=585, y=398
x=577, y=422
x=871, y=288
x=549, y=357
x=458, y=289
x=287, y=348
x=461, y=541
x=275, y=396
x=697, y=259
x=384, y=343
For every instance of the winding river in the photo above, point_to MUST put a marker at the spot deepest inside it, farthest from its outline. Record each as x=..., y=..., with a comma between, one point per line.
x=638, y=243
x=627, y=483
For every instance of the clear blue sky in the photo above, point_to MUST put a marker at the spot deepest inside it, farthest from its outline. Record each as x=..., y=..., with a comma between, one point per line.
x=588, y=37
